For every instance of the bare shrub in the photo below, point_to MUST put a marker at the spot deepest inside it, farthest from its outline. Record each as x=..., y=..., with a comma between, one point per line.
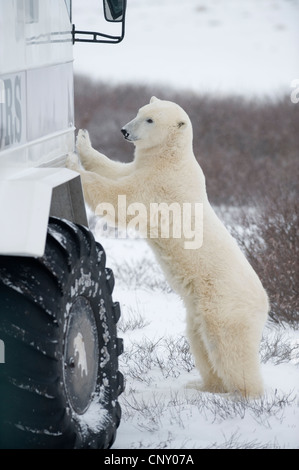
x=273, y=251
x=279, y=348
x=133, y=321
x=142, y=273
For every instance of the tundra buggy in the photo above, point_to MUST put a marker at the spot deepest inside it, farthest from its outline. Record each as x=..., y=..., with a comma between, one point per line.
x=59, y=377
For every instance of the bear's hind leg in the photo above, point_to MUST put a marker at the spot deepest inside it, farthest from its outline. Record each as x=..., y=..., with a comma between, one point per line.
x=211, y=382
x=235, y=358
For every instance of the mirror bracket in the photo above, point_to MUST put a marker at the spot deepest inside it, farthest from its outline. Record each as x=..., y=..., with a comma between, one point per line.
x=96, y=37
x=93, y=36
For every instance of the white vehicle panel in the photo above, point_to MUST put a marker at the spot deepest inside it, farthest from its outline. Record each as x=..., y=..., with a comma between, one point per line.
x=36, y=119
x=35, y=33
x=24, y=210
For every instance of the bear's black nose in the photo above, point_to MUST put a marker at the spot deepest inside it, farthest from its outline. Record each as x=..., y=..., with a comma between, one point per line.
x=125, y=133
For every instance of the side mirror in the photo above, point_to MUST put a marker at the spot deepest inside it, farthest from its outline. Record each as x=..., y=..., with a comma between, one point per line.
x=115, y=12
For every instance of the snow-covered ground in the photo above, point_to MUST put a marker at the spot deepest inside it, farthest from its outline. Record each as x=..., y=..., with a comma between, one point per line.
x=247, y=47
x=159, y=412
x=218, y=46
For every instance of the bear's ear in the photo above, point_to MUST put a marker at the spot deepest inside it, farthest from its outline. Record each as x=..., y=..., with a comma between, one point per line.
x=181, y=124
x=153, y=99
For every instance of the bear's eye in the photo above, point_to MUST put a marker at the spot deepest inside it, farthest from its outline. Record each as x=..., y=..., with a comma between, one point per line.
x=150, y=121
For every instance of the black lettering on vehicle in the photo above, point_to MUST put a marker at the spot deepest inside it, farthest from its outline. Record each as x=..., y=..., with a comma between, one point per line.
x=11, y=113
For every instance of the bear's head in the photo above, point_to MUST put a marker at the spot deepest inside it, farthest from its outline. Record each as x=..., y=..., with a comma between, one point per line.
x=159, y=123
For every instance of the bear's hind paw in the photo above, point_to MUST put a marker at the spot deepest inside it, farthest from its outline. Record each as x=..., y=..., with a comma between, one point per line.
x=202, y=387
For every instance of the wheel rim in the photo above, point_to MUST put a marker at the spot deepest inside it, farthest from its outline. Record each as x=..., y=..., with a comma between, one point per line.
x=81, y=355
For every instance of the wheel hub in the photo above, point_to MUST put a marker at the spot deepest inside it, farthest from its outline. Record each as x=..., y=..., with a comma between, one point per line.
x=81, y=355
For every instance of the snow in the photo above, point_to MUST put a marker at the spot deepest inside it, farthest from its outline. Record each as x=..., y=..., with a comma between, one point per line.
x=159, y=411
x=95, y=417
x=247, y=48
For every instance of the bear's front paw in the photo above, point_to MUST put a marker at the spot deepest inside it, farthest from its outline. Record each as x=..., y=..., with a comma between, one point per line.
x=72, y=162
x=83, y=141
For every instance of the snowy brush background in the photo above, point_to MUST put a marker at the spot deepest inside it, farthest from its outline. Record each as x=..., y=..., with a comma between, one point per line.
x=216, y=48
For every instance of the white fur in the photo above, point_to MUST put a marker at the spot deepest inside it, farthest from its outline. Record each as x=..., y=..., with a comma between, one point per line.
x=225, y=301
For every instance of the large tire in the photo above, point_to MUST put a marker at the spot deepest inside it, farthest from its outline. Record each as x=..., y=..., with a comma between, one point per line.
x=60, y=383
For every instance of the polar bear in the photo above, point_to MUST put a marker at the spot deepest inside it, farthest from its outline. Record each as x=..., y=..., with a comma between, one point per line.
x=226, y=304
